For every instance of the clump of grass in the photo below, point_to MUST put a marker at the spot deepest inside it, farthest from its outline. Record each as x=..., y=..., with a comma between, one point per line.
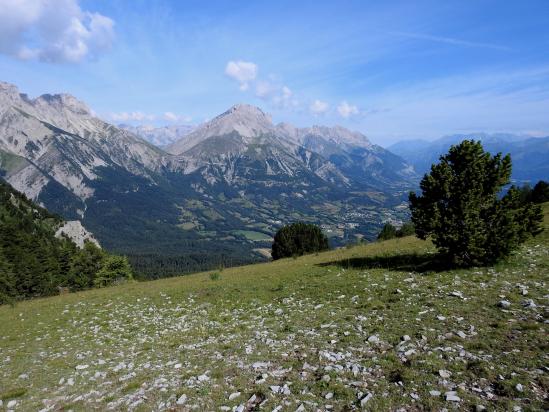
x=13, y=394
x=215, y=276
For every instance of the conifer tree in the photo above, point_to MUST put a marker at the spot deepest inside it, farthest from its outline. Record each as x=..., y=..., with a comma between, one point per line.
x=460, y=210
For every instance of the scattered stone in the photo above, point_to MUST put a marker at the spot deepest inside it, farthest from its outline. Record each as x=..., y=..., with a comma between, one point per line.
x=504, y=304
x=529, y=303
x=329, y=395
x=480, y=408
x=80, y=367
x=203, y=378
x=440, y=317
x=234, y=395
x=434, y=393
x=365, y=399
x=182, y=399
x=300, y=409
x=373, y=339
x=519, y=387
x=452, y=396
x=405, y=338
x=261, y=365
x=461, y=334
x=11, y=404
x=457, y=294
x=444, y=373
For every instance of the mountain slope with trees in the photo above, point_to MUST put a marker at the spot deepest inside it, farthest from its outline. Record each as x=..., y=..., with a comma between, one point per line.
x=233, y=182
x=35, y=262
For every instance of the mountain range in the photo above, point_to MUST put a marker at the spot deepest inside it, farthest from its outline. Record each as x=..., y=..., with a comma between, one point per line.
x=214, y=196
x=529, y=155
x=159, y=136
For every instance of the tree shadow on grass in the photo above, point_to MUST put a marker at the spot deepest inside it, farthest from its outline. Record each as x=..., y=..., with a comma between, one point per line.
x=409, y=262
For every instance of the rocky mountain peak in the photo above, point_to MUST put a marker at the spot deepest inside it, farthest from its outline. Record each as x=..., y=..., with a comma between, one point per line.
x=63, y=101
x=246, y=120
x=8, y=89
x=339, y=135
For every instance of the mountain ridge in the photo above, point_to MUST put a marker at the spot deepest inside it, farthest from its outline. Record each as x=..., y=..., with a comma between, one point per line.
x=528, y=154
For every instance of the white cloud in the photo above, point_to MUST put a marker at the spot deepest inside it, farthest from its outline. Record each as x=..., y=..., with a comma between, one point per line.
x=346, y=110
x=286, y=92
x=243, y=72
x=131, y=116
x=52, y=30
x=264, y=89
x=172, y=117
x=318, y=107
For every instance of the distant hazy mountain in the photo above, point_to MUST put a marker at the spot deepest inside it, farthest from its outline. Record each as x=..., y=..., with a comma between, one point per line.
x=159, y=136
x=530, y=155
x=217, y=196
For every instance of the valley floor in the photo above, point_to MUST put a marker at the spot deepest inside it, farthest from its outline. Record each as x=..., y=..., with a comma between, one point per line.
x=343, y=330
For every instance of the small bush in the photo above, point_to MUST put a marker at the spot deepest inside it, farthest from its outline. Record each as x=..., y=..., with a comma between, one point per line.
x=215, y=276
x=114, y=269
x=298, y=239
x=390, y=232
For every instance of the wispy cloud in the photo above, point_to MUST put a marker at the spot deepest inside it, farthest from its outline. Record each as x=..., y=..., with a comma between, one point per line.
x=493, y=100
x=450, y=40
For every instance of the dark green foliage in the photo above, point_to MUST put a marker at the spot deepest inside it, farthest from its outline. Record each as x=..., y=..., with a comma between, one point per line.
x=113, y=269
x=33, y=262
x=389, y=231
x=460, y=209
x=407, y=229
x=298, y=239
x=540, y=193
x=7, y=282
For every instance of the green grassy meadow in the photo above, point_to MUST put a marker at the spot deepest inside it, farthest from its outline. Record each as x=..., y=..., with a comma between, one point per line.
x=372, y=327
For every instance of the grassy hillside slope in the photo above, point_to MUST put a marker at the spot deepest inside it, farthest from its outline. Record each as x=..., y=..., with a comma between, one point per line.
x=367, y=327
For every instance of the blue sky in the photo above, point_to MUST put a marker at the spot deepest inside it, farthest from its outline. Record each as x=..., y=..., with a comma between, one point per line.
x=392, y=70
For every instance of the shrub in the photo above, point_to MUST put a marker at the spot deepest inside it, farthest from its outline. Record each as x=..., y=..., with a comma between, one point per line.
x=298, y=239
x=390, y=232
x=113, y=269
x=540, y=192
x=460, y=209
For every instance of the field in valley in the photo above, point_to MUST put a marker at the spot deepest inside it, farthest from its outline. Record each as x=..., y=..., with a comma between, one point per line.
x=370, y=327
